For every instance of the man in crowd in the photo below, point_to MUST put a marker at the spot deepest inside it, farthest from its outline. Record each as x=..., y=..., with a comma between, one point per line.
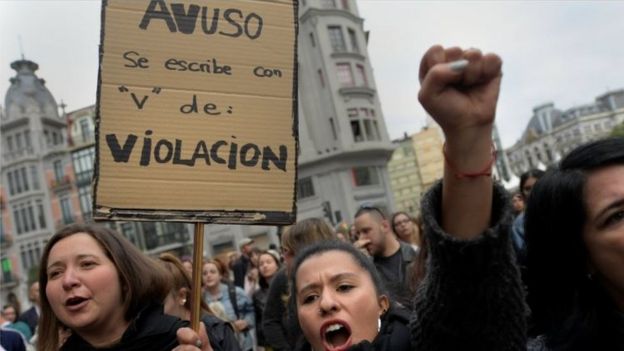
x=390, y=256
x=241, y=265
x=31, y=315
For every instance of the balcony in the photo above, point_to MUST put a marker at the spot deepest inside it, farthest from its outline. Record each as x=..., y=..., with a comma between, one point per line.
x=61, y=184
x=17, y=155
x=343, y=53
x=357, y=91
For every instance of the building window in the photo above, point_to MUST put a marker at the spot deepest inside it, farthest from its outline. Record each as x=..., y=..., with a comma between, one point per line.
x=84, y=194
x=312, y=40
x=24, y=177
x=85, y=130
x=11, y=183
x=361, y=76
x=34, y=175
x=363, y=176
x=10, y=142
x=305, y=188
x=18, y=221
x=41, y=215
x=27, y=138
x=58, y=170
x=353, y=38
x=328, y=4
x=345, y=4
x=336, y=39
x=66, y=211
x=18, y=141
x=83, y=165
x=333, y=128
x=345, y=76
x=356, y=131
x=321, y=79
x=363, y=125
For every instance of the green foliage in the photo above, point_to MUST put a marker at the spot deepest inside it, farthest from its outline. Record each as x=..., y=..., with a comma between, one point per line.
x=618, y=130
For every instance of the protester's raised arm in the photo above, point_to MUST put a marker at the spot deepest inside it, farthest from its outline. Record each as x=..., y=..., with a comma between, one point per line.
x=459, y=89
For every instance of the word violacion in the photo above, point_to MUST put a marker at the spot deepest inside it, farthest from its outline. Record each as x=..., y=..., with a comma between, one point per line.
x=167, y=151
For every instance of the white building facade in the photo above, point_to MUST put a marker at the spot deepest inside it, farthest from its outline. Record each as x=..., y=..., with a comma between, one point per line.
x=552, y=133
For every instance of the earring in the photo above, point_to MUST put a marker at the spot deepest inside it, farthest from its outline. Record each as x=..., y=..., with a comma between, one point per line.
x=183, y=302
x=378, y=324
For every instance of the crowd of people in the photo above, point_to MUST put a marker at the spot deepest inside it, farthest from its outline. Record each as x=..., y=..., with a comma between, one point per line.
x=478, y=269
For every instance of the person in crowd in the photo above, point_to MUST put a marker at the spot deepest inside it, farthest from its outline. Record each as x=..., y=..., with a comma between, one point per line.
x=280, y=326
x=268, y=265
x=391, y=256
x=232, y=300
x=527, y=182
x=251, y=284
x=407, y=229
x=574, y=225
x=242, y=264
x=340, y=301
x=9, y=316
x=178, y=303
x=31, y=315
x=517, y=203
x=471, y=297
x=107, y=294
x=342, y=232
x=187, y=263
x=10, y=340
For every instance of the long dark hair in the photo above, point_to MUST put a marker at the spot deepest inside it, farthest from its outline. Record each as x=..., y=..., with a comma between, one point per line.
x=567, y=306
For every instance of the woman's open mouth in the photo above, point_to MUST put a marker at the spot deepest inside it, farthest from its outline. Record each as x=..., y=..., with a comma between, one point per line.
x=336, y=335
x=76, y=303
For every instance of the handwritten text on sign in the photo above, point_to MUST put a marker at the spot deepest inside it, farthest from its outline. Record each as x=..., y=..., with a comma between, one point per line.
x=197, y=100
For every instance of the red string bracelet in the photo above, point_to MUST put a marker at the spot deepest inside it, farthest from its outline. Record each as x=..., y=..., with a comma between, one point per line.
x=485, y=172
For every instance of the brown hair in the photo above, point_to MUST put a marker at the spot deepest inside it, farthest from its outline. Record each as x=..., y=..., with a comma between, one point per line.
x=220, y=267
x=142, y=279
x=306, y=232
x=181, y=279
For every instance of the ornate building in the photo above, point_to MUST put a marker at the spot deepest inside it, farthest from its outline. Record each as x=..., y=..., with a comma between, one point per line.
x=38, y=194
x=552, y=133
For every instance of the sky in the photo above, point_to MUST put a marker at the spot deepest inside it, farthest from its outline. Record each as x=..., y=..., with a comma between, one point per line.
x=565, y=52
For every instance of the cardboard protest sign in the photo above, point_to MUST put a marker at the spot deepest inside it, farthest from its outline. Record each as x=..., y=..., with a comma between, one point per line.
x=197, y=111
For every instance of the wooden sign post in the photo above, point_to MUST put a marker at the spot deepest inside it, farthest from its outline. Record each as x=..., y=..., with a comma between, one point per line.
x=197, y=114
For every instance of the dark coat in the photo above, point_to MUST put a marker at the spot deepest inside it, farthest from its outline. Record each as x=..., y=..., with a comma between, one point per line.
x=149, y=330
x=239, y=268
x=11, y=340
x=31, y=318
x=221, y=334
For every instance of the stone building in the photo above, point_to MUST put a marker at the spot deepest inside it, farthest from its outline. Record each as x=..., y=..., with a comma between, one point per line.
x=344, y=142
x=39, y=194
x=552, y=133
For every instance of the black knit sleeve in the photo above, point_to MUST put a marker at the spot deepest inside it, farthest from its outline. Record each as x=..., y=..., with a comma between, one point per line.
x=472, y=297
x=274, y=312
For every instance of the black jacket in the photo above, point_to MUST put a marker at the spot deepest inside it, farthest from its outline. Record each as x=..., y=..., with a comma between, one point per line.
x=31, y=318
x=149, y=330
x=221, y=334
